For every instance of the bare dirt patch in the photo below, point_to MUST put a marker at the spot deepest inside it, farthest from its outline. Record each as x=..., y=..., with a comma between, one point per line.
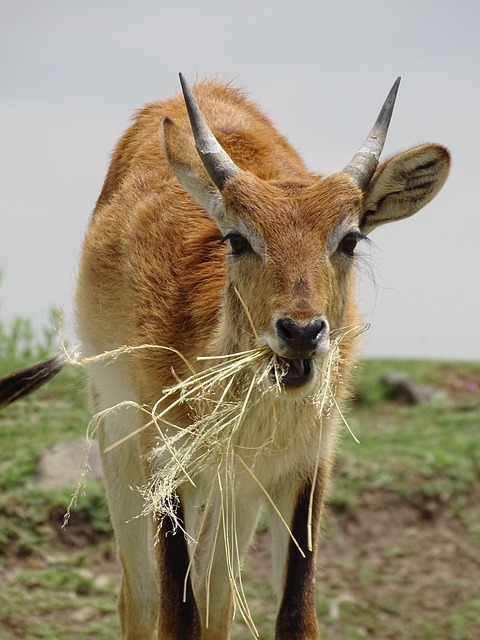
x=392, y=568
x=390, y=563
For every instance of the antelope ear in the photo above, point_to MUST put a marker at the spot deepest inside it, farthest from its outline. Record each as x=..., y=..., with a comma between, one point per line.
x=404, y=184
x=182, y=156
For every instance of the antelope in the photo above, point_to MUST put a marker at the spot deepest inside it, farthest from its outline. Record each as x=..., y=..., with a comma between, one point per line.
x=211, y=243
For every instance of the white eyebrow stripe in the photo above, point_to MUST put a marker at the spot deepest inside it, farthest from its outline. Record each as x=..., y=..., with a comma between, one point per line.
x=254, y=237
x=338, y=233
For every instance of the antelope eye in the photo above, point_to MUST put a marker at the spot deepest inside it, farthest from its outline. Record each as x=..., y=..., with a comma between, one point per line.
x=349, y=242
x=238, y=244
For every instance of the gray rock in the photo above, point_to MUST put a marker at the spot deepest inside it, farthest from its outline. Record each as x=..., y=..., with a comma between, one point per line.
x=62, y=464
x=401, y=388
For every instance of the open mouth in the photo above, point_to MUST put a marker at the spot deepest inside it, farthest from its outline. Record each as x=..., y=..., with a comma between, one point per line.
x=293, y=373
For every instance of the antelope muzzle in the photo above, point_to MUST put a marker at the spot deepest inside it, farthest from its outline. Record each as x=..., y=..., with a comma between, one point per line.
x=298, y=345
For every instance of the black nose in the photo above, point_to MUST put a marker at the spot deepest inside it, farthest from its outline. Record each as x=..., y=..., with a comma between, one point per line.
x=302, y=338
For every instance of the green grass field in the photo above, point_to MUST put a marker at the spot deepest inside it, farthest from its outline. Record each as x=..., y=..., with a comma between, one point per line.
x=400, y=555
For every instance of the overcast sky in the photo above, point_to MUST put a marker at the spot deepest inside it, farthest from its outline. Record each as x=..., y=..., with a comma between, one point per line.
x=72, y=74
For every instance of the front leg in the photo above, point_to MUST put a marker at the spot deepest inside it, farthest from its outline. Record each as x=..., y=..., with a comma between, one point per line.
x=178, y=617
x=295, y=574
x=222, y=542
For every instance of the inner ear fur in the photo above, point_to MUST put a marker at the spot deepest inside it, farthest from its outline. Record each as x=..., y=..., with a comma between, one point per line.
x=403, y=184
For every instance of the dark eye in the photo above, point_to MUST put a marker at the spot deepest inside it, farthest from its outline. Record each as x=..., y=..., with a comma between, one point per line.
x=238, y=244
x=348, y=244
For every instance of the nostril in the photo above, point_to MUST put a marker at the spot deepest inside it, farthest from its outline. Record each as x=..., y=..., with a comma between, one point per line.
x=303, y=338
x=319, y=328
x=285, y=329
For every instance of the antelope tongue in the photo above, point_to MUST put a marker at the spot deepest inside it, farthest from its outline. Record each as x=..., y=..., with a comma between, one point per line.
x=297, y=371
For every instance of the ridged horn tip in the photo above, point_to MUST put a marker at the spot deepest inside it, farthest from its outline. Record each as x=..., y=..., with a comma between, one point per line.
x=217, y=162
x=364, y=163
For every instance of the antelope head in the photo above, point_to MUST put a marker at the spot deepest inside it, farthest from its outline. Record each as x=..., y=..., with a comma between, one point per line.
x=292, y=241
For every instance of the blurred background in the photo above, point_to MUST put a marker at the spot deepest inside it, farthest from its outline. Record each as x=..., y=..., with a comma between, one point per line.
x=73, y=74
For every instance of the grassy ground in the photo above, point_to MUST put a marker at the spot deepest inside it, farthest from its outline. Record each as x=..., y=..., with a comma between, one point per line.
x=400, y=555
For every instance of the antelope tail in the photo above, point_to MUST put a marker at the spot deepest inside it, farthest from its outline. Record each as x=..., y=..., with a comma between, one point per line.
x=18, y=384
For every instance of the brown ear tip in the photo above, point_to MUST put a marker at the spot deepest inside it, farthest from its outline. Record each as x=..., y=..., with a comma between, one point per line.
x=439, y=149
x=167, y=126
x=438, y=154
x=444, y=153
x=166, y=132
x=443, y=158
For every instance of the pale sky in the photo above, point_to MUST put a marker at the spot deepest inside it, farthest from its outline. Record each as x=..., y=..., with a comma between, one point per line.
x=73, y=73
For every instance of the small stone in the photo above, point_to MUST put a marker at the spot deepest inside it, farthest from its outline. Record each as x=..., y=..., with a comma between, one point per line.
x=401, y=388
x=61, y=465
x=84, y=614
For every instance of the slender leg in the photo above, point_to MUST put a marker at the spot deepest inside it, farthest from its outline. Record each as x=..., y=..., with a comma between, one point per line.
x=179, y=618
x=295, y=574
x=228, y=530
x=123, y=473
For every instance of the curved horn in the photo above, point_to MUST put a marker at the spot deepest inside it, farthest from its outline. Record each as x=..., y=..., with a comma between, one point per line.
x=364, y=163
x=217, y=162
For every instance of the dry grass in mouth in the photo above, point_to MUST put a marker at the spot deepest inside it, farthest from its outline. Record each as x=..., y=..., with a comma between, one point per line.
x=218, y=399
